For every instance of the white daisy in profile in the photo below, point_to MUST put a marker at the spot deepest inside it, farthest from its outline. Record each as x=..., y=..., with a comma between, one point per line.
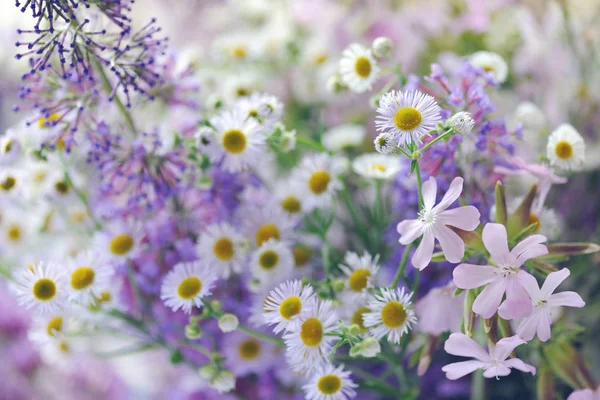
x=385, y=143
x=308, y=345
x=41, y=287
x=303, y=257
x=262, y=223
x=186, y=285
x=566, y=148
x=317, y=177
x=264, y=108
x=224, y=248
x=407, y=115
x=330, y=383
x=245, y=354
x=391, y=315
x=89, y=273
x=343, y=137
x=360, y=271
x=48, y=327
x=239, y=141
x=10, y=148
x=120, y=241
x=358, y=68
x=377, y=166
x=272, y=262
x=492, y=63
x=285, y=304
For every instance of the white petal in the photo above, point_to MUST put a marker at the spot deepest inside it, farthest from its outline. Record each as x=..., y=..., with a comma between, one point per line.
x=489, y=299
x=459, y=344
x=552, y=281
x=422, y=256
x=465, y=218
x=429, y=193
x=409, y=229
x=451, y=195
x=506, y=346
x=495, y=240
x=469, y=276
x=459, y=369
x=568, y=299
x=520, y=365
x=452, y=245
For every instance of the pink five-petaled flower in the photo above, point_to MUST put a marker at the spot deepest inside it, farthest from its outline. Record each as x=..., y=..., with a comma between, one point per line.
x=585, y=394
x=494, y=363
x=433, y=224
x=543, y=301
x=506, y=277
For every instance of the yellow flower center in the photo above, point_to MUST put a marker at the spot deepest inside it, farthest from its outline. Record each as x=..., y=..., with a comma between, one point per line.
x=488, y=68
x=407, y=118
x=105, y=297
x=319, y=181
x=563, y=150
x=362, y=67
x=290, y=307
x=8, y=146
x=533, y=219
x=311, y=332
x=9, y=183
x=266, y=232
x=44, y=122
x=238, y=52
x=268, y=260
x=54, y=326
x=121, y=244
x=82, y=278
x=63, y=346
x=242, y=92
x=357, y=318
x=223, y=249
x=253, y=113
x=234, y=141
x=329, y=384
x=291, y=204
x=14, y=233
x=358, y=279
x=302, y=256
x=189, y=287
x=379, y=167
x=61, y=187
x=321, y=58
x=249, y=349
x=393, y=314
x=44, y=289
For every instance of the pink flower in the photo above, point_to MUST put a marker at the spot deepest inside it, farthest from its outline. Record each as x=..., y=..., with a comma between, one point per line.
x=440, y=311
x=506, y=277
x=585, y=394
x=543, y=301
x=494, y=364
x=433, y=224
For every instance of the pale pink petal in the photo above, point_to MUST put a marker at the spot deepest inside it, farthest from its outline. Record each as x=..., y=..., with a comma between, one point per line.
x=489, y=299
x=531, y=252
x=515, y=309
x=528, y=326
x=459, y=344
x=452, y=245
x=530, y=284
x=409, y=229
x=429, y=193
x=495, y=372
x=552, y=281
x=506, y=346
x=459, y=369
x=566, y=299
x=520, y=365
x=422, y=256
x=526, y=243
x=465, y=218
x=543, y=328
x=495, y=240
x=451, y=195
x=585, y=394
x=469, y=276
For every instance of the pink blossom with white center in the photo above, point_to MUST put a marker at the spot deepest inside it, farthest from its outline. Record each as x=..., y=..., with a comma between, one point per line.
x=494, y=363
x=440, y=311
x=433, y=224
x=585, y=394
x=506, y=277
x=543, y=301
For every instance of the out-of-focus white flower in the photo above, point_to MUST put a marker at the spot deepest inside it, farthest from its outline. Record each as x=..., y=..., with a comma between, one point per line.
x=530, y=116
x=224, y=382
x=377, y=166
x=566, y=148
x=382, y=46
x=490, y=62
x=343, y=136
x=358, y=68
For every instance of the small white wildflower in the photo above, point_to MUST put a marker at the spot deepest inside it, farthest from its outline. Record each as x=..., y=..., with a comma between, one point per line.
x=462, y=122
x=224, y=382
x=228, y=323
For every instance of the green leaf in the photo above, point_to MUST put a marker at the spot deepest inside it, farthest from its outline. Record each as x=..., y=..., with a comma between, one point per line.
x=472, y=239
x=413, y=166
x=519, y=220
x=501, y=212
x=572, y=249
x=530, y=229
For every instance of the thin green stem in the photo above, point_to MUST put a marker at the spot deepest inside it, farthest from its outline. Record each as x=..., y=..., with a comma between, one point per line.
x=261, y=336
x=402, y=265
x=437, y=139
x=308, y=142
x=401, y=150
x=419, y=185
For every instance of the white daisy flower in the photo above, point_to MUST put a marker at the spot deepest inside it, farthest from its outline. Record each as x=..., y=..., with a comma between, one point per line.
x=222, y=247
x=41, y=287
x=385, y=143
x=353, y=311
x=239, y=141
x=361, y=271
x=407, y=115
x=186, y=285
x=10, y=148
x=317, y=177
x=285, y=305
x=119, y=241
x=262, y=223
x=11, y=181
x=58, y=351
x=264, y=108
x=358, y=68
x=286, y=195
x=391, y=315
x=89, y=273
x=17, y=231
x=48, y=327
x=490, y=62
x=308, y=345
x=376, y=166
x=245, y=354
x=343, y=136
x=566, y=148
x=330, y=383
x=273, y=261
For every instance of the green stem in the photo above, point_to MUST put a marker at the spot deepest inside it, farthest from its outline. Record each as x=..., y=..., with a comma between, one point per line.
x=478, y=386
x=401, y=150
x=419, y=185
x=261, y=336
x=402, y=265
x=308, y=142
x=437, y=139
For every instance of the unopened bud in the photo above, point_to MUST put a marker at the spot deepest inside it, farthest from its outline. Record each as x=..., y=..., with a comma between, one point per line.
x=224, y=382
x=193, y=332
x=228, y=323
x=354, y=329
x=339, y=285
x=462, y=122
x=370, y=347
x=335, y=84
x=208, y=372
x=382, y=46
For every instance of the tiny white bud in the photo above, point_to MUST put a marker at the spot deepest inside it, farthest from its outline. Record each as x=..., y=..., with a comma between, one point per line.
x=208, y=372
x=228, y=323
x=382, y=46
x=288, y=141
x=335, y=84
x=370, y=347
x=355, y=350
x=462, y=122
x=193, y=332
x=385, y=143
x=224, y=382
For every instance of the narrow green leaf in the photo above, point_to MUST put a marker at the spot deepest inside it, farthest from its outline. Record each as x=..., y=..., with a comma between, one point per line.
x=501, y=212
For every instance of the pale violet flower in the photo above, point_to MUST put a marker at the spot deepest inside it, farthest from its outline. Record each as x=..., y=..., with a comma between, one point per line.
x=440, y=311
x=585, y=394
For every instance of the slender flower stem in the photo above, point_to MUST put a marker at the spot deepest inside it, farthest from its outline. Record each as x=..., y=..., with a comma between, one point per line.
x=437, y=139
x=419, y=185
x=261, y=336
x=401, y=150
x=402, y=265
x=308, y=142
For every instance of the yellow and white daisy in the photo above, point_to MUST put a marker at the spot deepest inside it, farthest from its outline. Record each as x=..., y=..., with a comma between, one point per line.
x=566, y=148
x=41, y=287
x=308, y=345
x=272, y=262
x=264, y=108
x=317, y=177
x=245, y=354
x=222, y=247
x=391, y=315
x=330, y=383
x=11, y=181
x=288, y=199
x=17, y=230
x=492, y=63
x=239, y=141
x=49, y=327
x=186, y=285
x=10, y=148
x=120, y=241
x=360, y=271
x=262, y=223
x=407, y=115
x=376, y=166
x=285, y=305
x=343, y=137
x=353, y=312
x=358, y=68
x=89, y=273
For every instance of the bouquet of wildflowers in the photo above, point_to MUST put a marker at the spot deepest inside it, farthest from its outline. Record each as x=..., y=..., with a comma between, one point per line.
x=307, y=199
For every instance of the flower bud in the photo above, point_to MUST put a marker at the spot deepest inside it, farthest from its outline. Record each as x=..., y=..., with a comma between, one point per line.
x=385, y=143
x=355, y=351
x=193, y=332
x=228, y=323
x=339, y=285
x=288, y=141
x=462, y=122
x=208, y=372
x=335, y=84
x=370, y=347
x=354, y=330
x=382, y=46
x=224, y=382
